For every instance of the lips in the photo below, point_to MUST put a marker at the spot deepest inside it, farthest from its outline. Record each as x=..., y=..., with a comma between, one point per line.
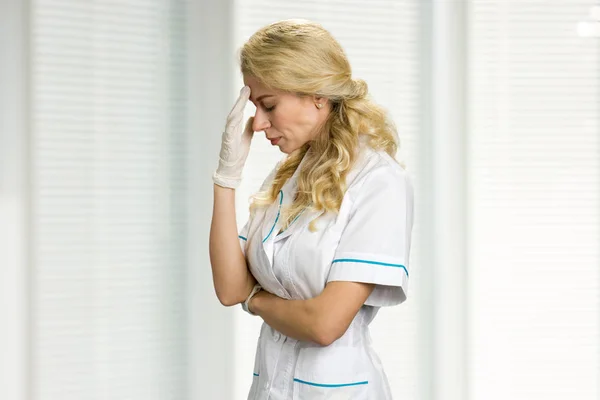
x=274, y=141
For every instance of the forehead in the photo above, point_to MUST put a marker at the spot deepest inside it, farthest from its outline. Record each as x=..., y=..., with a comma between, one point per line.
x=257, y=88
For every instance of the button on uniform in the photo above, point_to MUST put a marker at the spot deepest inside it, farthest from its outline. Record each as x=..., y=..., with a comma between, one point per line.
x=276, y=336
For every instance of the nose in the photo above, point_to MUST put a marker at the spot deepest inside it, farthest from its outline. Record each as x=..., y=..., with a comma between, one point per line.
x=261, y=122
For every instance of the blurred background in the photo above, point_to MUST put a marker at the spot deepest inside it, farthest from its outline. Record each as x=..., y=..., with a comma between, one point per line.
x=111, y=115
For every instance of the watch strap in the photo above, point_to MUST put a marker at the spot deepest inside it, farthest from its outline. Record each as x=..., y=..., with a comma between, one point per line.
x=255, y=290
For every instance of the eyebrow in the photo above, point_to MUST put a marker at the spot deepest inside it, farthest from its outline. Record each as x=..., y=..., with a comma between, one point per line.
x=262, y=97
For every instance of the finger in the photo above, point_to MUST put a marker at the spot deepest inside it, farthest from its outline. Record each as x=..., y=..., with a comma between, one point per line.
x=242, y=100
x=248, y=132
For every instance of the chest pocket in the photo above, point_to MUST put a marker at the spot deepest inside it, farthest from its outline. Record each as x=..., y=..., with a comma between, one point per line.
x=311, y=254
x=332, y=372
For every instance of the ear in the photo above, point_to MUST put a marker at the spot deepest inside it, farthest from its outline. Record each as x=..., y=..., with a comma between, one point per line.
x=319, y=99
x=320, y=102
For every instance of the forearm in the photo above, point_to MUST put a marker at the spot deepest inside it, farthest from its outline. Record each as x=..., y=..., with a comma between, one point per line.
x=231, y=278
x=322, y=319
x=298, y=319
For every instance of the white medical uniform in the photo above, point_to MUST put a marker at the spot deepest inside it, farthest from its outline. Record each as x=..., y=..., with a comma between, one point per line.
x=368, y=241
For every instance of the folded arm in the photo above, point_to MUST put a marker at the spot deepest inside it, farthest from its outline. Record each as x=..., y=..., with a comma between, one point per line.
x=231, y=278
x=322, y=319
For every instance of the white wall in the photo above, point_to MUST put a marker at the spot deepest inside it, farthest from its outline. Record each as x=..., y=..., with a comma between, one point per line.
x=14, y=202
x=211, y=326
x=447, y=240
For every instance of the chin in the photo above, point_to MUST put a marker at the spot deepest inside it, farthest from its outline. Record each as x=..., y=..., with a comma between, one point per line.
x=286, y=150
x=283, y=149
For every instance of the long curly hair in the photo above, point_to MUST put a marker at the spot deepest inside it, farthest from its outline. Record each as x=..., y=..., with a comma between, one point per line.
x=301, y=57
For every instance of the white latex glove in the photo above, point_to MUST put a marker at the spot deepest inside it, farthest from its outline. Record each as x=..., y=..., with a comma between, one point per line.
x=235, y=144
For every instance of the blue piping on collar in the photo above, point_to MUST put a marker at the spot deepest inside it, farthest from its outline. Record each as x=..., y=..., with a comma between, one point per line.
x=278, y=212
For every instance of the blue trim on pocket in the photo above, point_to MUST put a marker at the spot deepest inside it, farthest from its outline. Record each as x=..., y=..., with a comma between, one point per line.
x=243, y=238
x=276, y=219
x=255, y=374
x=330, y=385
x=371, y=262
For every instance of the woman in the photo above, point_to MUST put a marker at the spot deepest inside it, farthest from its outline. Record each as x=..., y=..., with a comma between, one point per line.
x=328, y=238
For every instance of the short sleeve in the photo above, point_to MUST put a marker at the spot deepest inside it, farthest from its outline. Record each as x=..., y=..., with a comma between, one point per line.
x=375, y=244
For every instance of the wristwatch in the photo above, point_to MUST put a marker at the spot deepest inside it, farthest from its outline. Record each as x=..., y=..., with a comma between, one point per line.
x=255, y=290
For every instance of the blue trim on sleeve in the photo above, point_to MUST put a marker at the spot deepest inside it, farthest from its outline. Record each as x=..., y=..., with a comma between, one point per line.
x=330, y=385
x=371, y=262
x=243, y=238
x=276, y=219
x=255, y=374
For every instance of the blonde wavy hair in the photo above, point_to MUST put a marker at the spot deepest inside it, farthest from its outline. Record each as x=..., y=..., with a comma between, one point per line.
x=301, y=57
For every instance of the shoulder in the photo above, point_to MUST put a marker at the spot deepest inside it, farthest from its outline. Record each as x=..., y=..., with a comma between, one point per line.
x=376, y=172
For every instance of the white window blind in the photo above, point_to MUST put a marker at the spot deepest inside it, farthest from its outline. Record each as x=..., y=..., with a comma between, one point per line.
x=108, y=154
x=382, y=41
x=533, y=201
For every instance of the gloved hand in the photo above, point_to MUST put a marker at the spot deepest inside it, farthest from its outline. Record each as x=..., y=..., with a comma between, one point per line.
x=235, y=144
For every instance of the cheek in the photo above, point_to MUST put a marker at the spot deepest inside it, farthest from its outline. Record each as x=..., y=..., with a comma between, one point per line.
x=294, y=122
x=282, y=121
x=307, y=123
